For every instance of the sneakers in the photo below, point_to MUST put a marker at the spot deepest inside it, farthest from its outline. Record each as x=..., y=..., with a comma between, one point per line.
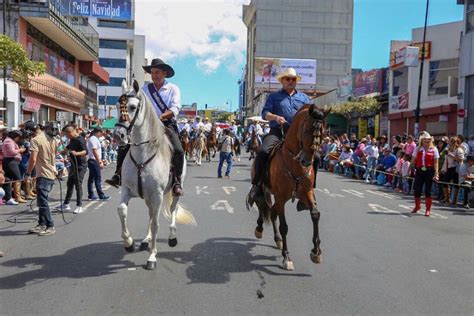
x=37, y=229
x=11, y=202
x=466, y=206
x=388, y=184
x=78, y=210
x=227, y=176
x=48, y=231
x=63, y=207
x=105, y=198
x=93, y=198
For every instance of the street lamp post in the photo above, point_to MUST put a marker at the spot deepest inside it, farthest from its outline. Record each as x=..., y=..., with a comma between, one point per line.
x=420, y=81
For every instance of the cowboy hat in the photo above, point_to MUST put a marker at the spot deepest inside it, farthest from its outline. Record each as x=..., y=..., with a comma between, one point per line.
x=288, y=72
x=160, y=64
x=424, y=135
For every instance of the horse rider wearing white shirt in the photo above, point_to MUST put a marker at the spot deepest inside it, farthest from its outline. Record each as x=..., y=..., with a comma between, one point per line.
x=196, y=126
x=258, y=132
x=166, y=100
x=184, y=126
x=233, y=129
x=207, y=126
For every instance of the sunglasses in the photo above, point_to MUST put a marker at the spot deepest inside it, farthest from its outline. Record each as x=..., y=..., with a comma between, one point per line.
x=290, y=79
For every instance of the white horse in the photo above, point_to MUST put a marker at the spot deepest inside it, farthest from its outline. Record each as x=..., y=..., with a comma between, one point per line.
x=146, y=170
x=200, y=146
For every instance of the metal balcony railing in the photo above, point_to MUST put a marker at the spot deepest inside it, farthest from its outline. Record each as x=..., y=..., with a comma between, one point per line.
x=90, y=94
x=58, y=12
x=60, y=93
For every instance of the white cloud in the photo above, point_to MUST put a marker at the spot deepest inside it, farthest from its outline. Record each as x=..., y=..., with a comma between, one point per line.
x=212, y=31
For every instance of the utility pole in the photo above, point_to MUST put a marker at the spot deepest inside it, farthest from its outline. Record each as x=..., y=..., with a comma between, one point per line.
x=420, y=81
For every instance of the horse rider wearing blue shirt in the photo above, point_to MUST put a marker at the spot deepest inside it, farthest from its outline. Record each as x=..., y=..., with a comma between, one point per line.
x=279, y=109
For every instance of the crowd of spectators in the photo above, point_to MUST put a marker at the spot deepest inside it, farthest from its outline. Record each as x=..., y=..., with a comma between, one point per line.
x=389, y=163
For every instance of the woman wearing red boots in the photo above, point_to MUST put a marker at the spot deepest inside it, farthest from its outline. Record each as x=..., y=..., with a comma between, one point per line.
x=425, y=160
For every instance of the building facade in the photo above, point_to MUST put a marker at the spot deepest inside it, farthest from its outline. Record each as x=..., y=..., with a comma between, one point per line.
x=306, y=29
x=466, y=68
x=68, y=46
x=439, y=92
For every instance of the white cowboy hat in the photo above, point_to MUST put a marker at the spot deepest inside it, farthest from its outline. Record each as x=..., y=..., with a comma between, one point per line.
x=424, y=135
x=288, y=72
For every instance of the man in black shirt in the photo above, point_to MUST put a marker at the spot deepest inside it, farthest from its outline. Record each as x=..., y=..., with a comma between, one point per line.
x=77, y=149
x=354, y=142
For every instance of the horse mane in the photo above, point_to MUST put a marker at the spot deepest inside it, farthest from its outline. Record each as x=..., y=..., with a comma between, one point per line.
x=162, y=143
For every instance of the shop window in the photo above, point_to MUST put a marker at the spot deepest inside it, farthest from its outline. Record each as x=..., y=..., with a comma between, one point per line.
x=440, y=71
x=400, y=81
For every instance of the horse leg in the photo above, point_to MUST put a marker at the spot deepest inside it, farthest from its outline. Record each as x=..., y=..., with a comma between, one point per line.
x=276, y=234
x=145, y=245
x=287, y=262
x=122, y=210
x=154, y=208
x=172, y=239
x=316, y=254
x=259, y=228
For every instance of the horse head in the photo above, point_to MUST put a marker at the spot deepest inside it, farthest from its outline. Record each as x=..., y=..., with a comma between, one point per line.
x=129, y=105
x=311, y=133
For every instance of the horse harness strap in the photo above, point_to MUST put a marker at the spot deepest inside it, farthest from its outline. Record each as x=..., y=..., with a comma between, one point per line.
x=140, y=168
x=297, y=180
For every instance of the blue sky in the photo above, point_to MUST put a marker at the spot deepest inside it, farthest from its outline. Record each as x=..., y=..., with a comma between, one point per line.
x=209, y=56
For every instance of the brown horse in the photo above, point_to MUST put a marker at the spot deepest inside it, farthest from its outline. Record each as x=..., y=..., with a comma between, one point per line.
x=186, y=143
x=254, y=145
x=211, y=144
x=291, y=176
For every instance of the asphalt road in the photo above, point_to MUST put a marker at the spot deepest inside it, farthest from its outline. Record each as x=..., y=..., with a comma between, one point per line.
x=378, y=259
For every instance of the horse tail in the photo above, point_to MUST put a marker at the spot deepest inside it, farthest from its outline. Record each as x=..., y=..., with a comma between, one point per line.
x=183, y=215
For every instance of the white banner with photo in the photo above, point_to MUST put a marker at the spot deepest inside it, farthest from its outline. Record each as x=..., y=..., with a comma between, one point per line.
x=267, y=69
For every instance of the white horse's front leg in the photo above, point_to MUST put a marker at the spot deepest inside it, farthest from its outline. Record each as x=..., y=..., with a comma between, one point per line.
x=123, y=211
x=145, y=245
x=154, y=208
x=172, y=239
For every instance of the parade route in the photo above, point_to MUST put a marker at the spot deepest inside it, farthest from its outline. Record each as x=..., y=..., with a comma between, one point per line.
x=378, y=258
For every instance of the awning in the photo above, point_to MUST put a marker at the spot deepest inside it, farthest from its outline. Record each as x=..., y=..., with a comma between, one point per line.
x=108, y=123
x=336, y=121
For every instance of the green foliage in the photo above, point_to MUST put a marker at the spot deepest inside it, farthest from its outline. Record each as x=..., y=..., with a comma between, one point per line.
x=14, y=57
x=363, y=106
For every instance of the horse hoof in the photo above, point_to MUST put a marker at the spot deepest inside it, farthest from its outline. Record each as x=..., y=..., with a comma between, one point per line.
x=150, y=265
x=173, y=242
x=258, y=234
x=144, y=246
x=131, y=248
x=279, y=244
x=288, y=265
x=316, y=258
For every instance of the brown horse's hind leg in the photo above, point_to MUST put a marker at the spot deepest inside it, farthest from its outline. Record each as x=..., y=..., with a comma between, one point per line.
x=316, y=255
x=276, y=233
x=259, y=228
x=287, y=262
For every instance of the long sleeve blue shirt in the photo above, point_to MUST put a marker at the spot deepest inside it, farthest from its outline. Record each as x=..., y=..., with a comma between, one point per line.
x=389, y=161
x=282, y=104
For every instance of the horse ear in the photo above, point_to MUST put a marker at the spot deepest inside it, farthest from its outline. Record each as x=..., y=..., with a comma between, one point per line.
x=124, y=87
x=136, y=86
x=311, y=109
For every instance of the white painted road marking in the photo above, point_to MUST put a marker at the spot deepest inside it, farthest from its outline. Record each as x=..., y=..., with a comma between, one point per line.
x=382, y=209
x=222, y=205
x=200, y=190
x=99, y=206
x=432, y=213
x=327, y=192
x=229, y=190
x=355, y=193
x=386, y=195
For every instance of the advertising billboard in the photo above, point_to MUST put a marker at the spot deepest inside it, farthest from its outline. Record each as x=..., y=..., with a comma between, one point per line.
x=108, y=9
x=367, y=82
x=267, y=69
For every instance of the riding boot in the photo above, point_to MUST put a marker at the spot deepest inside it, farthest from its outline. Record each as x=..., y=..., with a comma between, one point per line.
x=428, y=202
x=121, y=154
x=17, y=192
x=177, y=188
x=260, y=162
x=447, y=195
x=33, y=188
x=417, y=205
x=28, y=193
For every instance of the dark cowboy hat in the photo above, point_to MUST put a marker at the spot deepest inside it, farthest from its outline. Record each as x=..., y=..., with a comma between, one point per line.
x=160, y=64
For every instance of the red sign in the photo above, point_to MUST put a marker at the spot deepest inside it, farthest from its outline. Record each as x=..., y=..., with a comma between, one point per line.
x=31, y=104
x=461, y=113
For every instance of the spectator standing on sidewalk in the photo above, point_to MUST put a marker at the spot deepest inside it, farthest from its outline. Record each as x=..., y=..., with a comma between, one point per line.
x=358, y=155
x=226, y=145
x=442, y=146
x=43, y=160
x=372, y=153
x=11, y=162
x=77, y=149
x=425, y=160
x=466, y=175
x=95, y=165
x=406, y=172
x=454, y=158
x=410, y=145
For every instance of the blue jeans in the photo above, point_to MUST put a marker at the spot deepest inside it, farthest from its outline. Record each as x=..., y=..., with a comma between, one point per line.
x=224, y=157
x=370, y=172
x=95, y=177
x=43, y=187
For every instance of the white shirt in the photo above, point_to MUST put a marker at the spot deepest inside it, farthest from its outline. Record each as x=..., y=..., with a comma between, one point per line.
x=372, y=151
x=233, y=129
x=258, y=129
x=93, y=143
x=207, y=127
x=197, y=125
x=183, y=127
x=266, y=130
x=171, y=96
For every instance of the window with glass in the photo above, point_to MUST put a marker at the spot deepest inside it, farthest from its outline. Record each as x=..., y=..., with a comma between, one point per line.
x=440, y=71
x=113, y=24
x=112, y=44
x=400, y=81
x=113, y=62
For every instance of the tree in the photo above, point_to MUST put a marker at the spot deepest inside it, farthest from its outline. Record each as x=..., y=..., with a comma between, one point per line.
x=362, y=107
x=14, y=57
